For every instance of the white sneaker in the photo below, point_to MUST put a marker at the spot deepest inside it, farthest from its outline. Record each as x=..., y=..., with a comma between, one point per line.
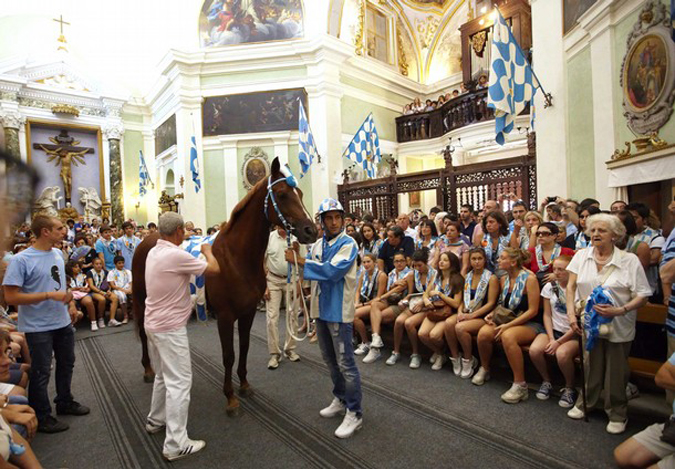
x=616, y=428
x=376, y=341
x=94, y=327
x=362, y=349
x=438, y=364
x=575, y=413
x=114, y=323
x=433, y=358
x=349, y=425
x=273, y=363
x=456, y=365
x=152, y=428
x=335, y=408
x=192, y=447
x=393, y=358
x=373, y=354
x=468, y=367
x=516, y=394
x=415, y=361
x=481, y=377
x=632, y=391
x=101, y=323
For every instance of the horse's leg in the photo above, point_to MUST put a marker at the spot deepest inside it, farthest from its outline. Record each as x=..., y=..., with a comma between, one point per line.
x=148, y=372
x=226, y=332
x=245, y=324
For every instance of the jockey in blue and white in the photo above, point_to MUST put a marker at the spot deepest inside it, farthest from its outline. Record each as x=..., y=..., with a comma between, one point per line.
x=331, y=267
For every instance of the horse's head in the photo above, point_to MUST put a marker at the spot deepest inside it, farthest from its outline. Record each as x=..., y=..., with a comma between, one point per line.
x=285, y=207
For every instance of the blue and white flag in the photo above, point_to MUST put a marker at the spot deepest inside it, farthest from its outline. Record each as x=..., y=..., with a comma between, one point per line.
x=364, y=149
x=143, y=176
x=512, y=82
x=194, y=164
x=306, y=145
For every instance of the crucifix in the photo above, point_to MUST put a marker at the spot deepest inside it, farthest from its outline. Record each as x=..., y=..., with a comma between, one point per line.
x=62, y=38
x=65, y=152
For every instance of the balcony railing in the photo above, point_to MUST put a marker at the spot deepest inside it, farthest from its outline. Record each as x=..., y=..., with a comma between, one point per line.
x=466, y=109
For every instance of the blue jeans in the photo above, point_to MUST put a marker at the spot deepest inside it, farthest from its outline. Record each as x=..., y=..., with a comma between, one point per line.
x=335, y=340
x=41, y=344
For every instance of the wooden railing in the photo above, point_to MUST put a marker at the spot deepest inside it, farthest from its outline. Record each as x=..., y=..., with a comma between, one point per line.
x=466, y=109
x=471, y=184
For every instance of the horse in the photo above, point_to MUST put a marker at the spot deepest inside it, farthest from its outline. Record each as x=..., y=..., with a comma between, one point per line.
x=240, y=248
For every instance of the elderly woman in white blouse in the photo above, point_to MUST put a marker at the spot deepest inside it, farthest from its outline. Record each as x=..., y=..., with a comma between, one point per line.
x=622, y=275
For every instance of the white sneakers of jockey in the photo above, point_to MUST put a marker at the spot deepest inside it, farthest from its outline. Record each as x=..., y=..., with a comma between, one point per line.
x=191, y=448
x=349, y=425
x=335, y=408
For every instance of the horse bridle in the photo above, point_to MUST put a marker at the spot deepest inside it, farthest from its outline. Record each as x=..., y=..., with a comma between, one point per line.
x=290, y=180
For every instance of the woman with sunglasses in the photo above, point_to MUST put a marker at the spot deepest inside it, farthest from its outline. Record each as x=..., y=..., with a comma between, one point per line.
x=545, y=252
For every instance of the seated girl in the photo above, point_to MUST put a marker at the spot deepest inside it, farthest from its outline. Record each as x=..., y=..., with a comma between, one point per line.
x=443, y=298
x=372, y=285
x=511, y=323
x=559, y=340
x=385, y=309
x=100, y=292
x=119, y=280
x=481, y=289
x=414, y=309
x=454, y=243
x=77, y=284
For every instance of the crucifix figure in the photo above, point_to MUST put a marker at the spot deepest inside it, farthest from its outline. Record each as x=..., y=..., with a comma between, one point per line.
x=65, y=152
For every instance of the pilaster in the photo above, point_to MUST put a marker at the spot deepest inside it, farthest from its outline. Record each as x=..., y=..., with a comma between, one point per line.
x=113, y=134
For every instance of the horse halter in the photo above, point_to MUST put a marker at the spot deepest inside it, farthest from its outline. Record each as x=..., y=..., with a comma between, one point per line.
x=292, y=182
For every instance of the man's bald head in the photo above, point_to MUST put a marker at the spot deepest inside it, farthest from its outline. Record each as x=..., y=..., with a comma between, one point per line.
x=490, y=205
x=403, y=220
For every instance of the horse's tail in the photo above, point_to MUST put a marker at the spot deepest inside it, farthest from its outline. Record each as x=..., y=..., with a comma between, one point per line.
x=138, y=292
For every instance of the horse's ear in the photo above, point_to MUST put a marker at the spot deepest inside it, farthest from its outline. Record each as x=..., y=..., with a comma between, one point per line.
x=276, y=166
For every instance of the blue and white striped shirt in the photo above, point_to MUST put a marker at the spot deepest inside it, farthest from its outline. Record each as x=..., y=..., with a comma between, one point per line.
x=668, y=253
x=331, y=266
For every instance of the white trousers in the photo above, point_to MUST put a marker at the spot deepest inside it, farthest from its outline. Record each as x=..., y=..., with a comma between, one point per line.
x=277, y=288
x=170, y=358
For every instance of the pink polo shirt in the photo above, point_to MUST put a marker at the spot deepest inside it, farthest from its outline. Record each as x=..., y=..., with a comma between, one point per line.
x=167, y=281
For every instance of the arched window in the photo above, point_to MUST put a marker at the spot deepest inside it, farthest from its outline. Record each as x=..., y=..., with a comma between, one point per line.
x=169, y=184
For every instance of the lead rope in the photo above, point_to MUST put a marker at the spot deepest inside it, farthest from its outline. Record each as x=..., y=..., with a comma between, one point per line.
x=292, y=301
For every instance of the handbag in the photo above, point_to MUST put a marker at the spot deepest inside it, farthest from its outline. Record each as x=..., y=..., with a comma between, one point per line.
x=394, y=299
x=502, y=315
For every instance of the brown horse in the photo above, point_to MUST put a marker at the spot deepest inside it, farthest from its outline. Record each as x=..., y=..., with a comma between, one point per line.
x=240, y=249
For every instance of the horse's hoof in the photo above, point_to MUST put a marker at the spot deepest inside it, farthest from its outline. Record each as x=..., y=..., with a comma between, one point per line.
x=232, y=412
x=246, y=392
x=149, y=377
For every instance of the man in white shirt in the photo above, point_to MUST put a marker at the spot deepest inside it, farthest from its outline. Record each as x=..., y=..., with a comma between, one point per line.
x=276, y=269
x=403, y=220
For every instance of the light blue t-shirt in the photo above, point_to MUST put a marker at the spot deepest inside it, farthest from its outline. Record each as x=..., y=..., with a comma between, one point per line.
x=109, y=249
x=127, y=246
x=36, y=271
x=671, y=360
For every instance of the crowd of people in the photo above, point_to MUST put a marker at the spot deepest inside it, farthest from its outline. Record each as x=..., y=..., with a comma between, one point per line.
x=516, y=278
x=418, y=106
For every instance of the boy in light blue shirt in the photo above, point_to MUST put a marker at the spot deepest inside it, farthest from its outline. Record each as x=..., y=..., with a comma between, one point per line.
x=126, y=245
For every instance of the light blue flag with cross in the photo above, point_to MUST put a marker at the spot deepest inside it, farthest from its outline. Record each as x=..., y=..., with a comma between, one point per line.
x=143, y=176
x=512, y=83
x=364, y=149
x=194, y=164
x=306, y=146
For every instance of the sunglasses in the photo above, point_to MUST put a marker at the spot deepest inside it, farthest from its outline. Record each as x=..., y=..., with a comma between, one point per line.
x=544, y=233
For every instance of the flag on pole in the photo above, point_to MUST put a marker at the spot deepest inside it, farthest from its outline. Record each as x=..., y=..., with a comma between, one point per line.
x=364, y=149
x=194, y=164
x=306, y=145
x=143, y=176
x=512, y=82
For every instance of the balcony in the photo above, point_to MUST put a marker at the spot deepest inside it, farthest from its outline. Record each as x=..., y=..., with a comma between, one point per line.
x=466, y=109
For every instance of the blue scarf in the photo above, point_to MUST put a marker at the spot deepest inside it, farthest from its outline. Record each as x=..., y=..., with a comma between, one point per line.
x=580, y=241
x=394, y=276
x=368, y=283
x=517, y=293
x=419, y=244
x=599, y=296
x=491, y=254
x=539, y=254
x=471, y=304
x=419, y=287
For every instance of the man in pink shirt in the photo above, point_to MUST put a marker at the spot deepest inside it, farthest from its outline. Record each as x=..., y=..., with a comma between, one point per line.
x=167, y=309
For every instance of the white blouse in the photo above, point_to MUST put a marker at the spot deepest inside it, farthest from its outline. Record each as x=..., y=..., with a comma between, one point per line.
x=627, y=281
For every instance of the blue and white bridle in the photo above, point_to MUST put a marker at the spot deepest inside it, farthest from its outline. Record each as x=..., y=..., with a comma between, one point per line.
x=292, y=182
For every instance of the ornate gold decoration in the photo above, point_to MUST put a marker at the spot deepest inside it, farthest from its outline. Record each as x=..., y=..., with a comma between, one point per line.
x=168, y=203
x=427, y=28
x=68, y=212
x=478, y=42
x=620, y=155
x=360, y=26
x=62, y=38
x=402, y=59
x=105, y=210
x=65, y=109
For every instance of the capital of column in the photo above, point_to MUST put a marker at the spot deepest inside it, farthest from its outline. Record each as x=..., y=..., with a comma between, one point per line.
x=12, y=120
x=113, y=131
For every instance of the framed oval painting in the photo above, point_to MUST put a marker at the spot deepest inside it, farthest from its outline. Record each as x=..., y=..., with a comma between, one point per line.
x=645, y=72
x=255, y=167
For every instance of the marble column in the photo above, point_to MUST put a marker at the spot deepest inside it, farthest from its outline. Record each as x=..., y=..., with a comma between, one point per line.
x=11, y=121
x=113, y=134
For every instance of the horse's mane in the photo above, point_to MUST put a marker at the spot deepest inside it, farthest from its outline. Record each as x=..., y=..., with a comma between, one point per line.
x=238, y=209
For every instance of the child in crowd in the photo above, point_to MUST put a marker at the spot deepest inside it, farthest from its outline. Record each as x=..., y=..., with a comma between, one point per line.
x=100, y=292
x=119, y=280
x=77, y=284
